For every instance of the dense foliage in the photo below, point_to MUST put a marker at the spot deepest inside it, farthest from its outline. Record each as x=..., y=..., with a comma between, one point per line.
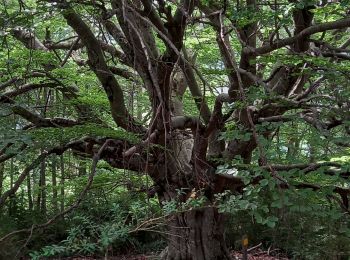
x=141, y=126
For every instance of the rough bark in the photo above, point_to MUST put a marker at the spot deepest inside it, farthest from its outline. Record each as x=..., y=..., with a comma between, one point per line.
x=197, y=234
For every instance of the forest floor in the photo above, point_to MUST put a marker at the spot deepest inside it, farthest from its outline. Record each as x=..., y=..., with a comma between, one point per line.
x=260, y=255
x=256, y=254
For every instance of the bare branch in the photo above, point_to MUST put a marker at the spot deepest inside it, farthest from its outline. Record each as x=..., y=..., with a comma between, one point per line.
x=343, y=23
x=26, y=88
x=28, y=39
x=6, y=156
x=98, y=65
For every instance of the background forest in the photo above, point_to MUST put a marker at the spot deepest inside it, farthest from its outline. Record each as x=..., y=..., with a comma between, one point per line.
x=123, y=123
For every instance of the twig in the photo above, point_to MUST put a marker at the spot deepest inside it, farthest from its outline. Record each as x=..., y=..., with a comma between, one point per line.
x=254, y=247
x=70, y=52
x=27, y=241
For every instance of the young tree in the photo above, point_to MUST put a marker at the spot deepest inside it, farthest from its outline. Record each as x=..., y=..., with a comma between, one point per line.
x=142, y=41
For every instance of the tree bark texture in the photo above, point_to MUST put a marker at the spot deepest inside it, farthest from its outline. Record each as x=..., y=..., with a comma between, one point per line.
x=197, y=234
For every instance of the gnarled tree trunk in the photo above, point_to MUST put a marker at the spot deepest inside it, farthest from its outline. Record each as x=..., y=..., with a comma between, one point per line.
x=197, y=234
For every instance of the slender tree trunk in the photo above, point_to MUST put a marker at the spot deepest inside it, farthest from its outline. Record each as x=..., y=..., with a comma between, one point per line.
x=2, y=171
x=62, y=182
x=41, y=201
x=42, y=182
x=38, y=200
x=36, y=187
x=29, y=193
x=11, y=172
x=12, y=203
x=54, y=183
x=139, y=104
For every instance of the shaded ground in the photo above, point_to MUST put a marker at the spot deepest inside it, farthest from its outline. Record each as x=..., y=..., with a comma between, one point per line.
x=259, y=254
x=256, y=254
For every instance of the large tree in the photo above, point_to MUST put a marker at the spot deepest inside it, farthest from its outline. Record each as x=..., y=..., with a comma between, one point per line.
x=275, y=61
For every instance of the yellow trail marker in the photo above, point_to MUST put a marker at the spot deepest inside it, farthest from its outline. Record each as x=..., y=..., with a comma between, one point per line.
x=245, y=242
x=245, y=247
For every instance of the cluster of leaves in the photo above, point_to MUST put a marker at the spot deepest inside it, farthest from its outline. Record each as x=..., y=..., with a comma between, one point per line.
x=99, y=227
x=304, y=224
x=87, y=237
